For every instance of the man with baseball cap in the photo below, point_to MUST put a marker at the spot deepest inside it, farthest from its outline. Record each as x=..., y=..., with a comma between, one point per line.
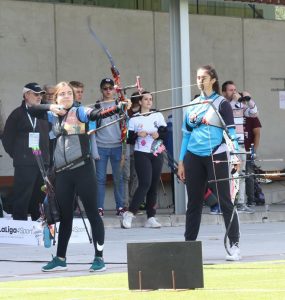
x=34, y=87
x=22, y=132
x=109, y=148
x=106, y=82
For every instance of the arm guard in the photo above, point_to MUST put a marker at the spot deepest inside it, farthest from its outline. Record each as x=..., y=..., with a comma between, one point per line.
x=97, y=114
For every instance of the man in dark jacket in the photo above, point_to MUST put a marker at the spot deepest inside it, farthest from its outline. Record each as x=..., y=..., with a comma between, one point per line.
x=22, y=132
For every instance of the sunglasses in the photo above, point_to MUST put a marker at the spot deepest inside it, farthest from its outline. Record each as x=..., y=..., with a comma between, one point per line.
x=106, y=88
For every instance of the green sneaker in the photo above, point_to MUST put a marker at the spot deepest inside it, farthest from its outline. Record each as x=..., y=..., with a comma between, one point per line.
x=55, y=265
x=98, y=265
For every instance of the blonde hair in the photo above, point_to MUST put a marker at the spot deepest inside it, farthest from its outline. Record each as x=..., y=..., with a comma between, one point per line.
x=59, y=86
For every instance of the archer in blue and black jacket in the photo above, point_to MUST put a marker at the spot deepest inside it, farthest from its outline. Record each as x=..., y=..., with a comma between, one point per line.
x=203, y=145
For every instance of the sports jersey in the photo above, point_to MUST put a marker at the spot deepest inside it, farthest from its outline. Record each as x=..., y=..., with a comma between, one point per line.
x=148, y=123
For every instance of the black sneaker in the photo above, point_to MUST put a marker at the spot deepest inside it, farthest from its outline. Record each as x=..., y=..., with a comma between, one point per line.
x=250, y=203
x=120, y=211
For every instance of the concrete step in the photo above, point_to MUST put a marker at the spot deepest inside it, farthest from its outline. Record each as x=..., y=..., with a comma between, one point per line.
x=263, y=214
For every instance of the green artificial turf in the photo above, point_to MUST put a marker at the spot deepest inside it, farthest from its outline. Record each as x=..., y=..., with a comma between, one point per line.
x=254, y=281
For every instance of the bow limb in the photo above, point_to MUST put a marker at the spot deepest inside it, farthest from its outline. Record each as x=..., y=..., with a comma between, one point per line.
x=100, y=43
x=114, y=69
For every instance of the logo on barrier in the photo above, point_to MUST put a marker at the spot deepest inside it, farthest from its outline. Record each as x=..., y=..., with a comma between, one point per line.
x=21, y=232
x=31, y=232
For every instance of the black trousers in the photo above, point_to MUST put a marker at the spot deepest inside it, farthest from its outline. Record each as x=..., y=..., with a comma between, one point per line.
x=83, y=181
x=198, y=170
x=27, y=194
x=148, y=168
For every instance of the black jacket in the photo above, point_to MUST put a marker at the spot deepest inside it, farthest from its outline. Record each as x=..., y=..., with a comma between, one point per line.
x=15, y=137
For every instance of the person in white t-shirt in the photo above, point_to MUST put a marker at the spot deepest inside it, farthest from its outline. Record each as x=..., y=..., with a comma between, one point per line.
x=146, y=131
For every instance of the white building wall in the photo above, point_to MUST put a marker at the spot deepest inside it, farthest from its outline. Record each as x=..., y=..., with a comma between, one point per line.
x=47, y=43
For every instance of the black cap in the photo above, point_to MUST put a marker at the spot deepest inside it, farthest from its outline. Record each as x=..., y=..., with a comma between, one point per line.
x=34, y=87
x=106, y=81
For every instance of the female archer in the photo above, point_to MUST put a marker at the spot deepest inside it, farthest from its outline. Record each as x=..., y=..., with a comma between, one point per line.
x=202, y=146
x=74, y=171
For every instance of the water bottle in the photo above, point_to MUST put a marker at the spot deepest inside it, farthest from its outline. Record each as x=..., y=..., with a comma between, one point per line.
x=47, y=237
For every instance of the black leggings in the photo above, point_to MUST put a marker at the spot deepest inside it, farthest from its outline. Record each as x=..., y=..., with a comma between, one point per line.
x=148, y=168
x=198, y=170
x=83, y=181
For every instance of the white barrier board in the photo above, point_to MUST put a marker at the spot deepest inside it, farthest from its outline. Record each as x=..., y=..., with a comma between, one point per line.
x=21, y=232
x=31, y=232
x=79, y=234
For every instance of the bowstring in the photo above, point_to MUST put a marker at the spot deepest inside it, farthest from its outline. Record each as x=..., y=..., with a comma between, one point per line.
x=214, y=170
x=218, y=194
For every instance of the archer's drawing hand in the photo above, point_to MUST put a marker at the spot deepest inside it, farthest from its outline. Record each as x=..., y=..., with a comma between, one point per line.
x=181, y=171
x=57, y=109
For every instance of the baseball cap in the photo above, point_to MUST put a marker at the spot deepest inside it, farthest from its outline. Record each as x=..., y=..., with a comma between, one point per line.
x=106, y=81
x=34, y=87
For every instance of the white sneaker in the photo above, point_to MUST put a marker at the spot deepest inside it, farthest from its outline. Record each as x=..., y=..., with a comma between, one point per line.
x=235, y=253
x=127, y=219
x=152, y=223
x=243, y=208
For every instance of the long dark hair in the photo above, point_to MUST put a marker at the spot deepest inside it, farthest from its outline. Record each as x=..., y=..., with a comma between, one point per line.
x=213, y=74
x=137, y=96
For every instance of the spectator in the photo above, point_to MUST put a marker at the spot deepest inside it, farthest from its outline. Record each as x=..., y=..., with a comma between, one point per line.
x=251, y=137
x=109, y=148
x=201, y=146
x=48, y=96
x=78, y=88
x=243, y=106
x=144, y=131
x=21, y=133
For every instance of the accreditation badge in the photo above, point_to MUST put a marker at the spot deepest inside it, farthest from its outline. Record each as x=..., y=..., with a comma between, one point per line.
x=34, y=139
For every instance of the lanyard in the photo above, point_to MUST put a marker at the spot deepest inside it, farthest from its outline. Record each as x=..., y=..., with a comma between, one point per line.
x=34, y=124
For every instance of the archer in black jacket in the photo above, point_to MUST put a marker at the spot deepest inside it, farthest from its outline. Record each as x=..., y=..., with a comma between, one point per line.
x=27, y=177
